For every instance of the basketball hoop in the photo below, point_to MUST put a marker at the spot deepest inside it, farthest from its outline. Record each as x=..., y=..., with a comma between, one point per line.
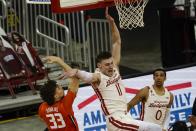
x=130, y=13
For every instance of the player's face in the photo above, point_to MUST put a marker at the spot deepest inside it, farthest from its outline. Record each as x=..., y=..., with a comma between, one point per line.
x=59, y=93
x=106, y=66
x=159, y=78
x=16, y=38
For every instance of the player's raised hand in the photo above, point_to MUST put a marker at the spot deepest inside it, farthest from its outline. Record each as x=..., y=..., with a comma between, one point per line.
x=68, y=74
x=108, y=17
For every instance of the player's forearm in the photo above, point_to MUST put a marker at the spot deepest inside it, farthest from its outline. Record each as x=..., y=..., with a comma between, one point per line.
x=116, y=53
x=74, y=84
x=65, y=66
x=134, y=101
x=129, y=106
x=116, y=39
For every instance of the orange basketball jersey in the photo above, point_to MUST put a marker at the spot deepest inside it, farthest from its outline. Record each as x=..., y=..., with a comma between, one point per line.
x=60, y=116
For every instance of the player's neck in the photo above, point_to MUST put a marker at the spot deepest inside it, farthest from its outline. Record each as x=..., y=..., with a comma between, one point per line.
x=57, y=99
x=160, y=90
x=106, y=74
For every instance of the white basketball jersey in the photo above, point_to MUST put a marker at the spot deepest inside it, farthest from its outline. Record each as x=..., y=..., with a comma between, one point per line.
x=154, y=109
x=111, y=93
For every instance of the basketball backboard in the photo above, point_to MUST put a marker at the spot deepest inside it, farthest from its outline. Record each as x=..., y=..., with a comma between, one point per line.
x=63, y=6
x=130, y=11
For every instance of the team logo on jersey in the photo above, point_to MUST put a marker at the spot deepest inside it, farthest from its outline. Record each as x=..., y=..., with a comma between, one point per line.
x=112, y=81
x=159, y=105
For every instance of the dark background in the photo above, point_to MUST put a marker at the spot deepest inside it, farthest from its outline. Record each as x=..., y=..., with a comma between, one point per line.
x=166, y=29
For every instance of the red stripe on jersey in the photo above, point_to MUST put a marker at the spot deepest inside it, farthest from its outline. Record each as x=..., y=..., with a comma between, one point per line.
x=119, y=92
x=103, y=106
x=118, y=88
x=121, y=125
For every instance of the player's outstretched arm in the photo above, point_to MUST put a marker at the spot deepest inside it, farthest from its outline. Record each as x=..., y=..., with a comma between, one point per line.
x=87, y=76
x=81, y=74
x=74, y=81
x=116, y=39
x=58, y=60
x=140, y=96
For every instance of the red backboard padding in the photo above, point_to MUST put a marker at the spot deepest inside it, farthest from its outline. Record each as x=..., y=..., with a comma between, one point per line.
x=56, y=8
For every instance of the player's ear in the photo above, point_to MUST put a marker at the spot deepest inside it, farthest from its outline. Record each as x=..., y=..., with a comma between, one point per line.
x=98, y=65
x=55, y=96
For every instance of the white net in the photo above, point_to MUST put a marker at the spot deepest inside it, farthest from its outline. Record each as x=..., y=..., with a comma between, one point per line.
x=130, y=13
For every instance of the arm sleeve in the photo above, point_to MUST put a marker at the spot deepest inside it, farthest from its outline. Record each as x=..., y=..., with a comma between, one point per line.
x=167, y=119
x=69, y=99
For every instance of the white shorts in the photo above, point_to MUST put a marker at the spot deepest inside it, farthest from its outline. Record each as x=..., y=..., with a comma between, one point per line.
x=121, y=122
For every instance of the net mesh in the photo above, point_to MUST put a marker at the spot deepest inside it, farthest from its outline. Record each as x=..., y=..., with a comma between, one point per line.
x=130, y=13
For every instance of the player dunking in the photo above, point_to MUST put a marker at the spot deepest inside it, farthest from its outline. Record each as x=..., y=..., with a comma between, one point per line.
x=107, y=83
x=56, y=110
x=156, y=101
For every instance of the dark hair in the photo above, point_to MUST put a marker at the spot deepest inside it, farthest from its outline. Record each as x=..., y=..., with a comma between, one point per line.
x=159, y=69
x=179, y=126
x=103, y=56
x=47, y=91
x=22, y=39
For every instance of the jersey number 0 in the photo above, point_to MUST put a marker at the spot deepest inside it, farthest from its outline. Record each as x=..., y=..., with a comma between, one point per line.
x=158, y=115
